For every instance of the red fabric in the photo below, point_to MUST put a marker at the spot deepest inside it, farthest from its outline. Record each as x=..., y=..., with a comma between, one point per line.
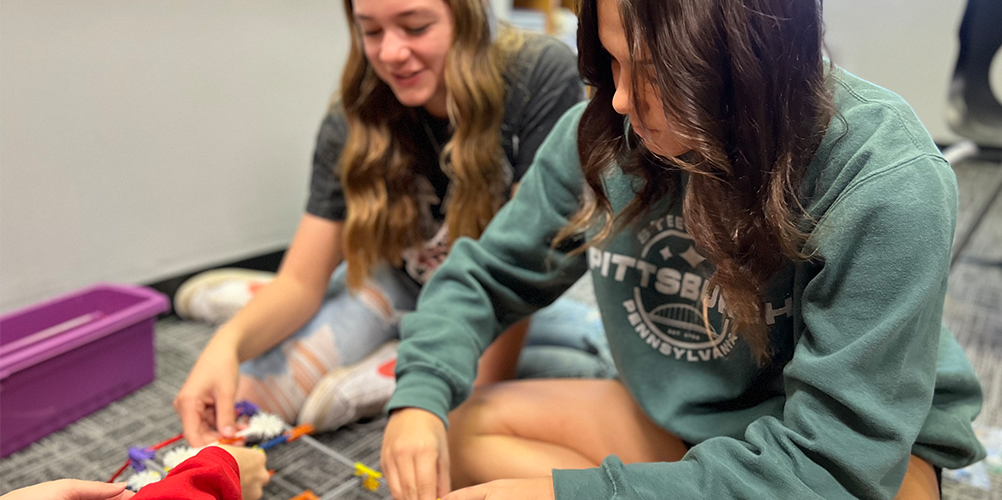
x=212, y=474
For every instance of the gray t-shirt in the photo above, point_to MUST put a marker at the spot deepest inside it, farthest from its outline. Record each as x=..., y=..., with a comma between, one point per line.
x=541, y=83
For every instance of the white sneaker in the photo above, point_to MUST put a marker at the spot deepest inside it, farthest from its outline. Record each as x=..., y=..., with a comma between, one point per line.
x=215, y=296
x=349, y=393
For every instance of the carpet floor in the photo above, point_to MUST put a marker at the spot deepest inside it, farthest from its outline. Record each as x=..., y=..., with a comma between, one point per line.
x=95, y=446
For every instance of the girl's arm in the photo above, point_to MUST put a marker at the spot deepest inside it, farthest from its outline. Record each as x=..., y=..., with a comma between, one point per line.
x=500, y=361
x=205, y=402
x=70, y=489
x=555, y=87
x=215, y=473
x=286, y=303
x=482, y=288
x=489, y=284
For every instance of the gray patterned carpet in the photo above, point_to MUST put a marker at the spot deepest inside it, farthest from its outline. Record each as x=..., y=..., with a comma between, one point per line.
x=94, y=447
x=973, y=312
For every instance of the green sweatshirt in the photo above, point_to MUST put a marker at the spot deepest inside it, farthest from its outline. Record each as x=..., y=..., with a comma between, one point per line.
x=863, y=371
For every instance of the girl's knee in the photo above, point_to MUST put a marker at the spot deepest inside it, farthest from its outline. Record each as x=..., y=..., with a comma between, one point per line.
x=920, y=482
x=474, y=415
x=270, y=397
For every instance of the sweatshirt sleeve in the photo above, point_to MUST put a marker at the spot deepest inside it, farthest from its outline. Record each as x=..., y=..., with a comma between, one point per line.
x=860, y=384
x=488, y=284
x=212, y=474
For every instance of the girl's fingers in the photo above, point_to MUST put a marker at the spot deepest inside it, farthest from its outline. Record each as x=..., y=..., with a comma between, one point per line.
x=225, y=416
x=192, y=422
x=444, y=478
x=412, y=444
x=390, y=472
x=426, y=476
x=405, y=474
x=76, y=489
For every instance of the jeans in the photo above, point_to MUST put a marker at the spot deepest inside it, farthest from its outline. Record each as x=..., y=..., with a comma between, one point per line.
x=565, y=339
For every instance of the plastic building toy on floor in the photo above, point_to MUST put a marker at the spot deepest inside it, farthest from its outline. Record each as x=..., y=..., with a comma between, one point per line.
x=263, y=430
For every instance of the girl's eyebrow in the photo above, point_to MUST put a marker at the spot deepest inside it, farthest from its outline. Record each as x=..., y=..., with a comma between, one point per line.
x=403, y=15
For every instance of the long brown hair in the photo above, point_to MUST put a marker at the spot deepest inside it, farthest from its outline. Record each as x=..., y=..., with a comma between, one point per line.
x=744, y=83
x=376, y=163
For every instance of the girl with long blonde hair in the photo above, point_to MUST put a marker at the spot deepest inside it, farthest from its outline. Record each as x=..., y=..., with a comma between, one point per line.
x=439, y=115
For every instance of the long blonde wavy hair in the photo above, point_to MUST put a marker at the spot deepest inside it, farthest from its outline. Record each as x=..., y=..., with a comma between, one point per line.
x=376, y=164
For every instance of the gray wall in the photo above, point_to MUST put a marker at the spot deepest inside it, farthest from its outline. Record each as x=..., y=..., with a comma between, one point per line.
x=907, y=46
x=143, y=139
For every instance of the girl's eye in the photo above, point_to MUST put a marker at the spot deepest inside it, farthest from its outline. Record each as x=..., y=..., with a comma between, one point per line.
x=418, y=30
x=370, y=33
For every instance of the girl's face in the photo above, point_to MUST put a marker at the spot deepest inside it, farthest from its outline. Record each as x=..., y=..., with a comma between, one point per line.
x=406, y=42
x=649, y=120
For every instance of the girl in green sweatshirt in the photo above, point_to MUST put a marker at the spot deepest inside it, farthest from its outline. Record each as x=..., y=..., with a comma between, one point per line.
x=769, y=238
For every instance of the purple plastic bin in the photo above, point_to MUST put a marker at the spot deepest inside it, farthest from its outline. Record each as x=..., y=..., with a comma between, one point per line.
x=66, y=357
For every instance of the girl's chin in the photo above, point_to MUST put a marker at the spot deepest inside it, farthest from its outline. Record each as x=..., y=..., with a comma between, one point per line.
x=412, y=99
x=664, y=148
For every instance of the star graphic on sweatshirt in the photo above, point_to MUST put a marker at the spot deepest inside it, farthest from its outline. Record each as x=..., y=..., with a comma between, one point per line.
x=693, y=257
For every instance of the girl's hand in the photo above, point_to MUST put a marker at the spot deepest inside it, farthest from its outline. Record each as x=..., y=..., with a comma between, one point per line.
x=415, y=455
x=540, y=488
x=253, y=472
x=71, y=489
x=205, y=401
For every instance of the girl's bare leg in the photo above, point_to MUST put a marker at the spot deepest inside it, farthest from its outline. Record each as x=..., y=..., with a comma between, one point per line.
x=527, y=428
x=920, y=481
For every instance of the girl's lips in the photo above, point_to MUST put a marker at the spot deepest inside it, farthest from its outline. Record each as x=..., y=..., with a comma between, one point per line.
x=407, y=79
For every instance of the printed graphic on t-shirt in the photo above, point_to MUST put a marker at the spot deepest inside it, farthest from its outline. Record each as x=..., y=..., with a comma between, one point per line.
x=668, y=280
x=421, y=261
